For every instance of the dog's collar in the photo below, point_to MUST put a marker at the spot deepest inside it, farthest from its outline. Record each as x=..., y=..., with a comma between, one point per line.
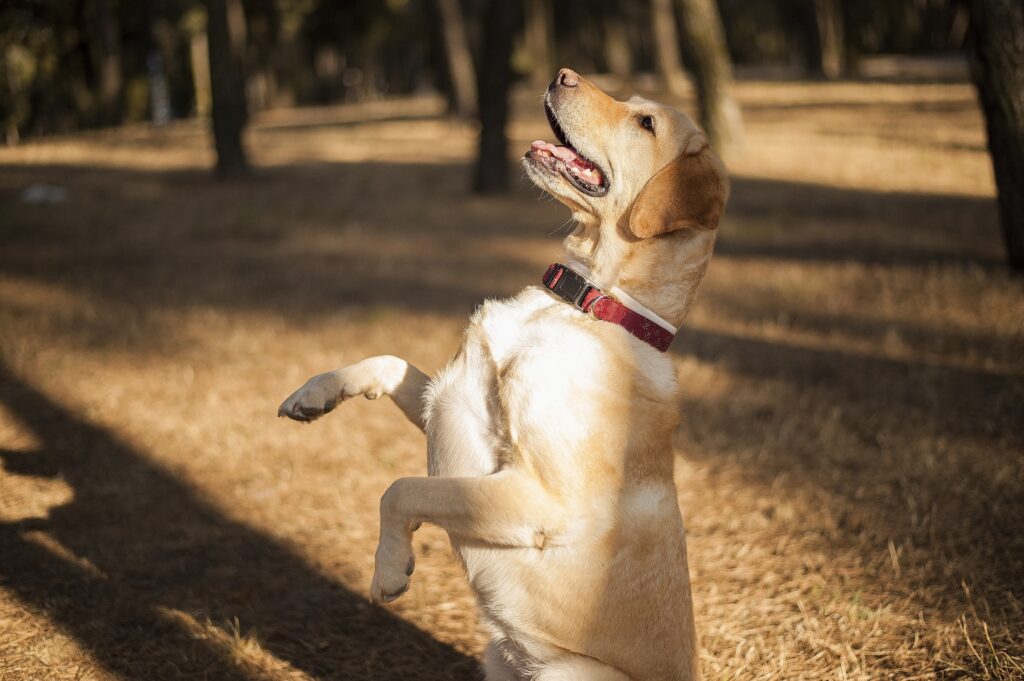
x=581, y=293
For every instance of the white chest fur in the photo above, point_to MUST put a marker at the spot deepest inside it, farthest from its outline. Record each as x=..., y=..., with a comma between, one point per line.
x=466, y=404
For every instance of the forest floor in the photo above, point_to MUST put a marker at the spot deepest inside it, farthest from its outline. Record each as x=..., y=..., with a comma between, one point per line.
x=849, y=461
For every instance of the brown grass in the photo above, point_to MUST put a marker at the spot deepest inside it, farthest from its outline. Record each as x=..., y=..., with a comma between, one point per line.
x=850, y=460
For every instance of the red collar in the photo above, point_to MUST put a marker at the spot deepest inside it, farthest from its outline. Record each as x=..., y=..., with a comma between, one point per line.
x=577, y=290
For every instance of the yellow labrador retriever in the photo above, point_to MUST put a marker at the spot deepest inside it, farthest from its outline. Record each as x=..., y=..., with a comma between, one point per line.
x=549, y=433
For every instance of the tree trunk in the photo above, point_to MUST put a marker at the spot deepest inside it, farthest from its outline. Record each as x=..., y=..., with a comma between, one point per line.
x=460, y=58
x=500, y=19
x=226, y=31
x=618, y=53
x=997, y=66
x=805, y=23
x=666, y=46
x=199, y=60
x=540, y=41
x=708, y=60
x=106, y=56
x=829, y=22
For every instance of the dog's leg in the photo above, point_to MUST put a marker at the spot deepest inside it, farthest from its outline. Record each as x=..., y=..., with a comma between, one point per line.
x=373, y=377
x=504, y=509
x=579, y=668
x=498, y=666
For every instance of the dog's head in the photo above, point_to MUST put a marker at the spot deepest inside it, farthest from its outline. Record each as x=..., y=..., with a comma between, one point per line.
x=641, y=166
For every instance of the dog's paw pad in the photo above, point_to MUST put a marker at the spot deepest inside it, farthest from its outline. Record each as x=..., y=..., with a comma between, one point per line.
x=311, y=412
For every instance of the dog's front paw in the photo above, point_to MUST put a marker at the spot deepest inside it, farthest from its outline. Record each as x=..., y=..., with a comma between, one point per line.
x=317, y=397
x=372, y=378
x=391, y=574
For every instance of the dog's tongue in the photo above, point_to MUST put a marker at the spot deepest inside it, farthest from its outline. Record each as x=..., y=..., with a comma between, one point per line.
x=561, y=153
x=570, y=158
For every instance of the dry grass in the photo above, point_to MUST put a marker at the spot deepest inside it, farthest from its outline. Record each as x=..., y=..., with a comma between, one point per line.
x=850, y=459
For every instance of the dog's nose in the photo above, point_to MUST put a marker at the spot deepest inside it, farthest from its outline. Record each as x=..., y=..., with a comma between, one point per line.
x=568, y=78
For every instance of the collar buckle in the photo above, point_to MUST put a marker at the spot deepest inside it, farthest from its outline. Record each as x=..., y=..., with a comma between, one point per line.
x=569, y=285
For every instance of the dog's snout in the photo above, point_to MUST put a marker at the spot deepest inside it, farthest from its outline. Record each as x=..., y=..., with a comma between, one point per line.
x=567, y=78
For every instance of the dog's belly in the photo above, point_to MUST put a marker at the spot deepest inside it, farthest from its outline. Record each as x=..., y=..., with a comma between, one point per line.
x=608, y=599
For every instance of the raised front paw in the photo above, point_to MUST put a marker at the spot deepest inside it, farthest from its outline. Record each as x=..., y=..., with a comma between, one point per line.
x=372, y=378
x=317, y=397
x=394, y=567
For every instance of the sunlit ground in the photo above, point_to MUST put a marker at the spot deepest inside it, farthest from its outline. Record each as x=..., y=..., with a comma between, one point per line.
x=849, y=462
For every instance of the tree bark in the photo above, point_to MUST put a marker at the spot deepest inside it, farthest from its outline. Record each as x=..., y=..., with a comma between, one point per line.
x=500, y=19
x=708, y=61
x=226, y=31
x=540, y=41
x=460, y=58
x=666, y=46
x=997, y=66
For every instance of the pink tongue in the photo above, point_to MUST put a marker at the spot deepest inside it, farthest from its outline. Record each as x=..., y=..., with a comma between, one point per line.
x=561, y=153
x=570, y=157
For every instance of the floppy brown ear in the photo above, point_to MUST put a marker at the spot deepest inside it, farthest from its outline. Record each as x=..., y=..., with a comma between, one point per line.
x=689, y=192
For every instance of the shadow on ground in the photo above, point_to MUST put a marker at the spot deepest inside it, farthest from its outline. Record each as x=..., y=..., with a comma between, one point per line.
x=905, y=450
x=312, y=240
x=151, y=544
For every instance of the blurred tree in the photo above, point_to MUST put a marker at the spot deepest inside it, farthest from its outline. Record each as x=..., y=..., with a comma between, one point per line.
x=997, y=51
x=461, y=74
x=501, y=18
x=226, y=31
x=540, y=41
x=618, y=51
x=263, y=44
x=71, y=64
x=707, y=59
x=666, y=45
x=104, y=38
x=193, y=26
x=825, y=53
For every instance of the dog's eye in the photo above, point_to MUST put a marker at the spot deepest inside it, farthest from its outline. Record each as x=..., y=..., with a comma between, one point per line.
x=647, y=123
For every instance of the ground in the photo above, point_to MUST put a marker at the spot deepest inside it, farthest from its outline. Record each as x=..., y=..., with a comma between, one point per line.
x=849, y=461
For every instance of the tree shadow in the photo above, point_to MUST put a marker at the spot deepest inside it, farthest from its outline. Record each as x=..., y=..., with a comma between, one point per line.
x=920, y=394
x=809, y=222
x=143, y=544
x=305, y=241
x=876, y=434
x=302, y=242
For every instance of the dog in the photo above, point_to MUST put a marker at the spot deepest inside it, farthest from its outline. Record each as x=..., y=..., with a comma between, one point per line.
x=549, y=432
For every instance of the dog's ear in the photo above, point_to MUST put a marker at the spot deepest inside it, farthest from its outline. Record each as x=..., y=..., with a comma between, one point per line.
x=690, y=192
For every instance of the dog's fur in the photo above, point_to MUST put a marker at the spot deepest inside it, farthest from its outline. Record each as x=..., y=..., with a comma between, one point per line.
x=549, y=433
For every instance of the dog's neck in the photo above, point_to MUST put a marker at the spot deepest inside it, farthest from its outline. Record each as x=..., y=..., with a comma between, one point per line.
x=662, y=274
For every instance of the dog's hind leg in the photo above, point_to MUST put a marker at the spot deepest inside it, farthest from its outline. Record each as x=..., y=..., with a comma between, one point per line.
x=372, y=378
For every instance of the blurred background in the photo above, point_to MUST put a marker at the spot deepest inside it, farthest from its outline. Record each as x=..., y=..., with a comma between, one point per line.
x=204, y=203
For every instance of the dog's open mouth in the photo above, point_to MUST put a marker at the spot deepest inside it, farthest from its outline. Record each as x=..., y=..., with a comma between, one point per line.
x=563, y=159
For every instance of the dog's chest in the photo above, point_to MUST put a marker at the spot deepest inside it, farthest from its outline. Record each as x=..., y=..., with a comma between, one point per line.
x=466, y=424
